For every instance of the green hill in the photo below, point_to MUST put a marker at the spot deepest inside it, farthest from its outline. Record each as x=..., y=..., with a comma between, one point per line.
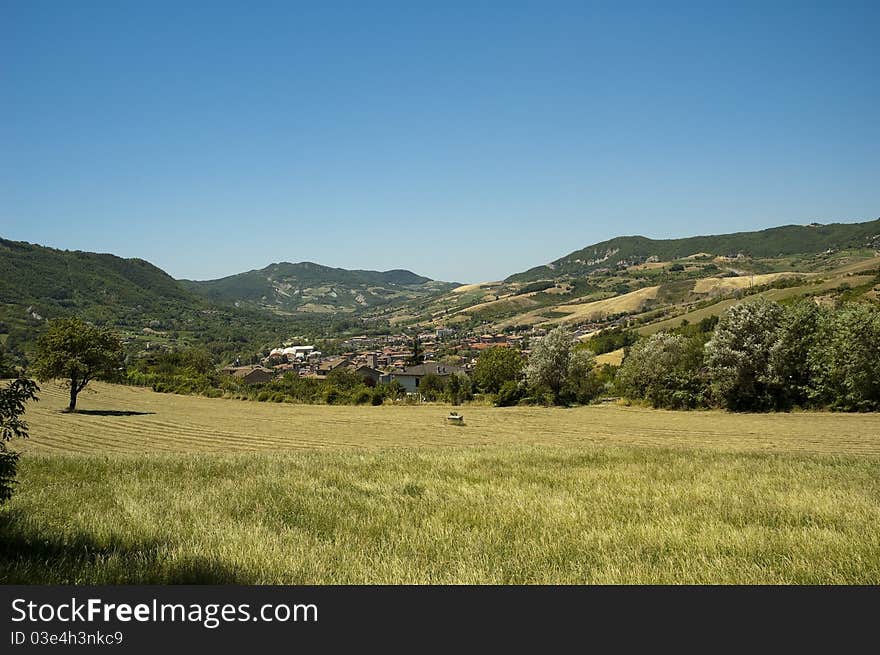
x=241, y=314
x=308, y=287
x=147, y=306
x=773, y=242
x=152, y=310
x=96, y=286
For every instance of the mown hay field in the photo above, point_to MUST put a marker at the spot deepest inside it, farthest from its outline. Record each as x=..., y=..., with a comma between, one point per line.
x=211, y=490
x=123, y=419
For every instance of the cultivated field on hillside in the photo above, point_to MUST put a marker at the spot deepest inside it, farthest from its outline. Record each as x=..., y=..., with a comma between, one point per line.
x=504, y=305
x=777, y=295
x=717, y=285
x=197, y=490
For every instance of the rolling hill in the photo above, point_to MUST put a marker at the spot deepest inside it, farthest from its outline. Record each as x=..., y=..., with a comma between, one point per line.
x=146, y=305
x=153, y=310
x=644, y=282
x=771, y=243
x=639, y=279
x=308, y=287
x=99, y=286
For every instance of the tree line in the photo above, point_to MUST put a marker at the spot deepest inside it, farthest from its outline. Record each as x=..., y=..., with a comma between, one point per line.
x=759, y=356
x=763, y=356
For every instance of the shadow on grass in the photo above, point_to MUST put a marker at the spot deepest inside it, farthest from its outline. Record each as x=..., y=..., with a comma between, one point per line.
x=29, y=555
x=106, y=412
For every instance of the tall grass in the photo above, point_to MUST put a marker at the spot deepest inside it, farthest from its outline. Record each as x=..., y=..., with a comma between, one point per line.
x=154, y=488
x=577, y=514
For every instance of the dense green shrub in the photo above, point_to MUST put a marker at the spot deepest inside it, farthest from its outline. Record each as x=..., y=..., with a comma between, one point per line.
x=332, y=395
x=457, y=388
x=362, y=395
x=431, y=387
x=497, y=366
x=510, y=394
x=846, y=362
x=792, y=365
x=559, y=373
x=763, y=356
x=666, y=371
x=738, y=357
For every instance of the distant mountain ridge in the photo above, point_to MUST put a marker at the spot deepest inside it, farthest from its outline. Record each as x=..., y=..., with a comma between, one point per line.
x=316, y=273
x=39, y=282
x=287, y=287
x=772, y=242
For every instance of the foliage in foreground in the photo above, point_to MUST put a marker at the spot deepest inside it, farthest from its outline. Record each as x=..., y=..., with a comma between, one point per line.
x=13, y=398
x=663, y=370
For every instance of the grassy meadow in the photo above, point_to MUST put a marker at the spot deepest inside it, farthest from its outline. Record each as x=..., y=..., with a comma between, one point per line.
x=152, y=488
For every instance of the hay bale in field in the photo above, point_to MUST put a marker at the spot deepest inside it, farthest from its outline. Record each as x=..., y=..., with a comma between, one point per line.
x=454, y=418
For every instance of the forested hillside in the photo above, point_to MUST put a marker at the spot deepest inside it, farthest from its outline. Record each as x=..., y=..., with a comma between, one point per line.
x=773, y=242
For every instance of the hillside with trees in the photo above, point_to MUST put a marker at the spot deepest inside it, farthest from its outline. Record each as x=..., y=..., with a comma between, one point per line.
x=770, y=243
x=147, y=306
x=308, y=287
x=38, y=284
x=652, y=284
x=655, y=287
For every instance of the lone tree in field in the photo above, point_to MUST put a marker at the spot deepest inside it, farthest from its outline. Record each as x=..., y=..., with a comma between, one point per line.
x=76, y=352
x=12, y=401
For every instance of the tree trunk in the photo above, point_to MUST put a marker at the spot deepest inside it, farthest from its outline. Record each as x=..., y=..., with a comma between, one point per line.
x=73, y=391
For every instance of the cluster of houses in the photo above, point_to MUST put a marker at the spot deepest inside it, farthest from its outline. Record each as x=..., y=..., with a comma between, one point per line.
x=380, y=359
x=386, y=358
x=409, y=377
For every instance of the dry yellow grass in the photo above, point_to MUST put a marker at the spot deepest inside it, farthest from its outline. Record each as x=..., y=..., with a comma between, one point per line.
x=615, y=358
x=511, y=302
x=170, y=423
x=627, y=302
x=577, y=312
x=464, y=288
x=727, y=284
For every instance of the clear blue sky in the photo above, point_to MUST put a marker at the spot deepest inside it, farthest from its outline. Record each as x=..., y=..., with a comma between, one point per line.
x=464, y=141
